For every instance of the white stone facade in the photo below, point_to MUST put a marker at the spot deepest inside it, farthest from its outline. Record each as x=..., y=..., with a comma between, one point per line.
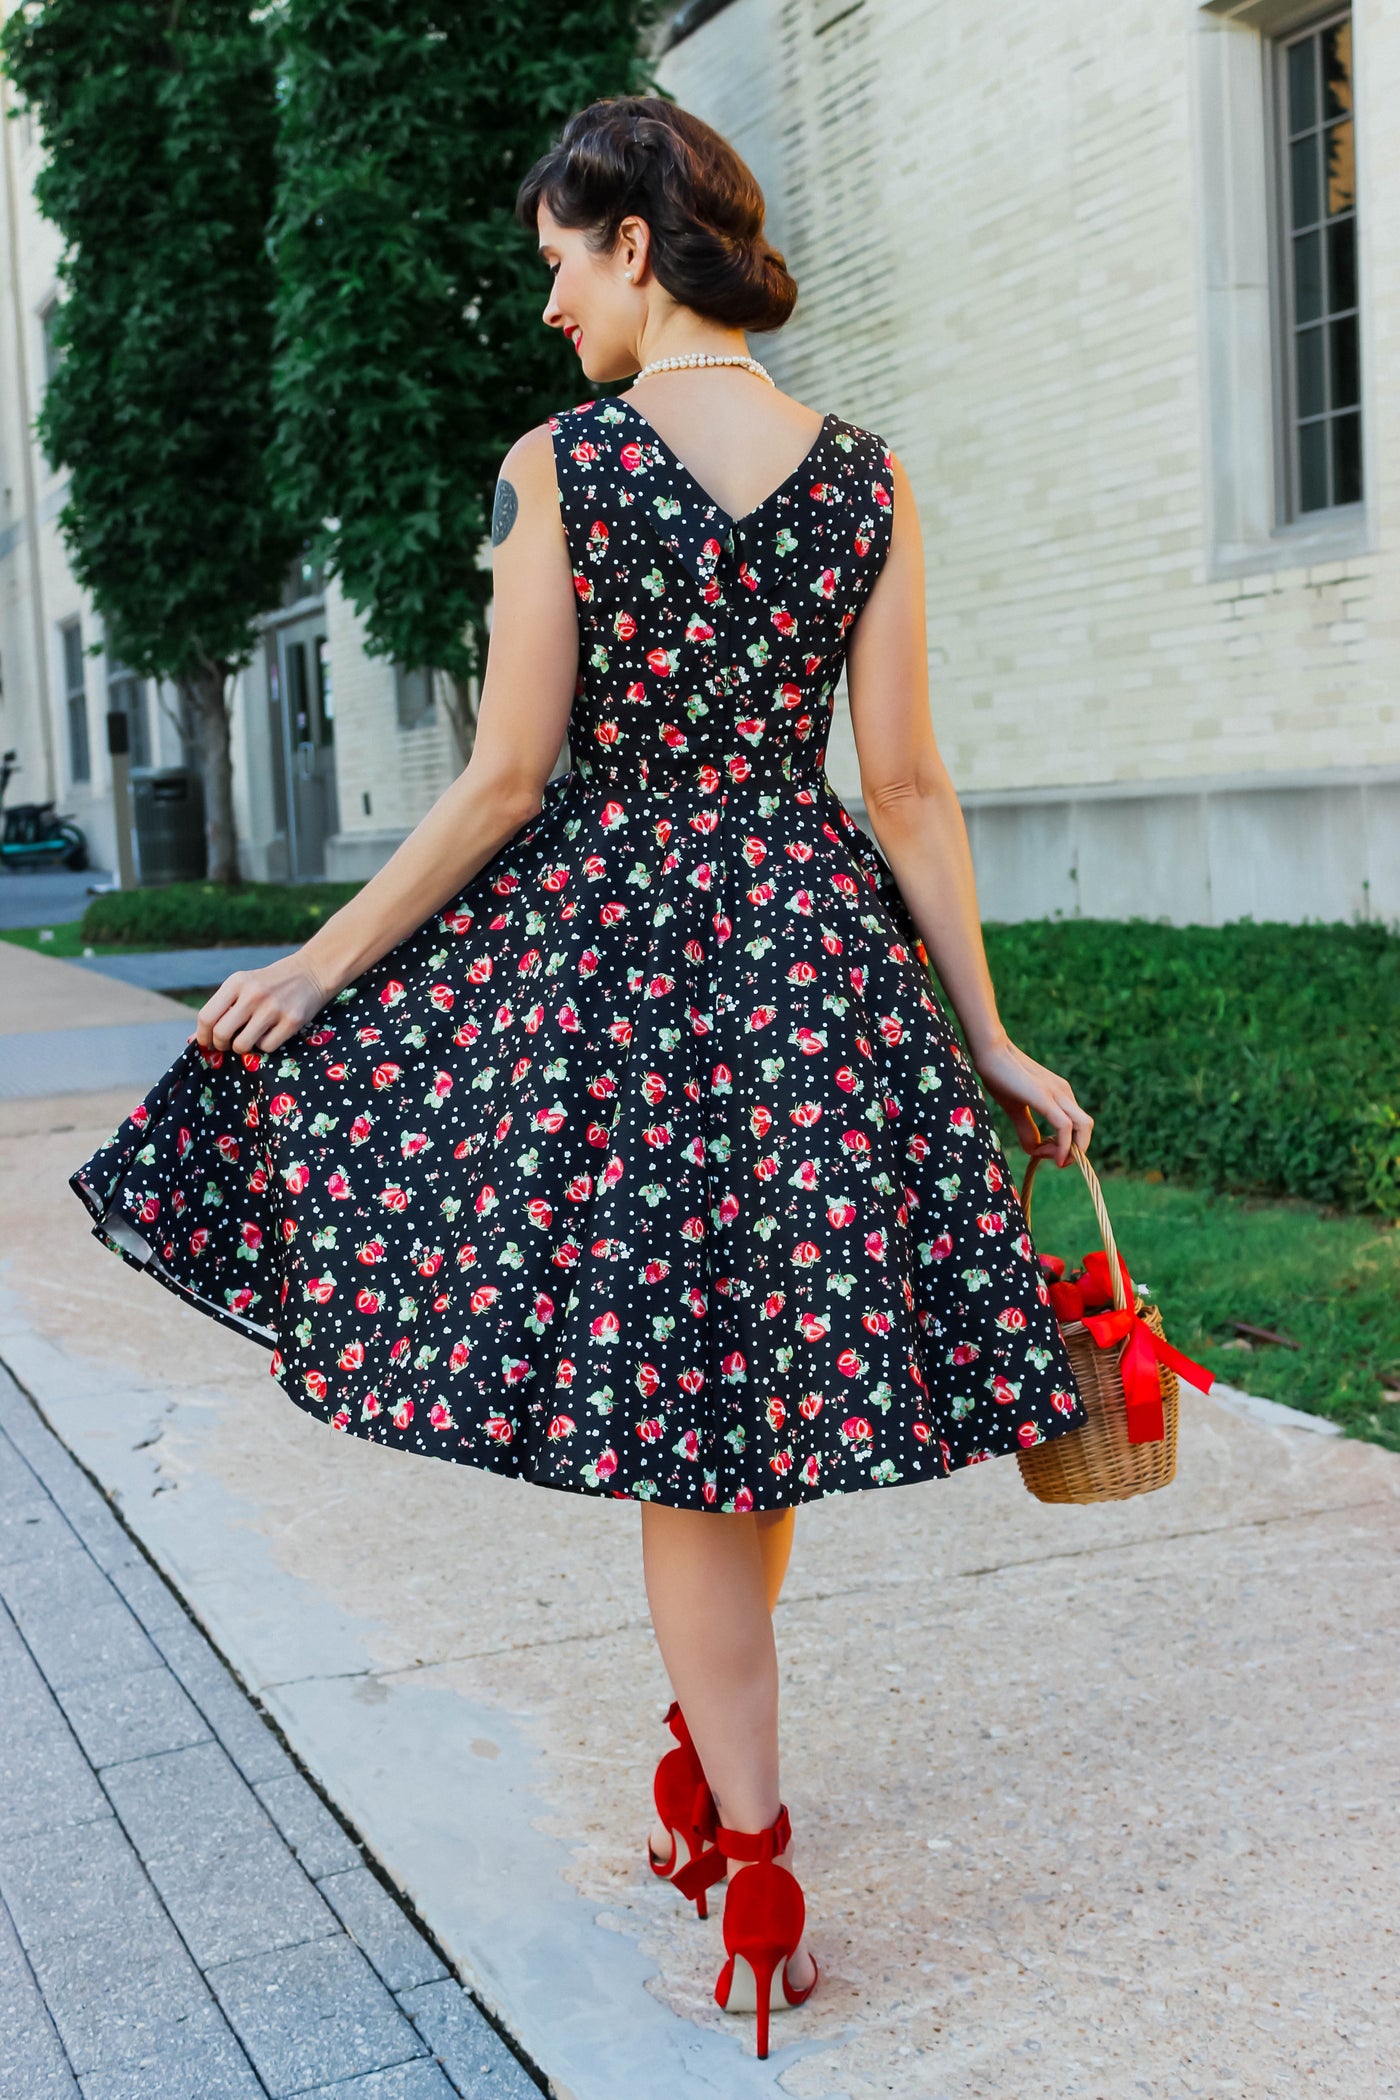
x=1038, y=251
x=390, y=775
x=1034, y=252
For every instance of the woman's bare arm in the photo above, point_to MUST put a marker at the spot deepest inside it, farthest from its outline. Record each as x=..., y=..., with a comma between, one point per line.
x=526, y=696
x=915, y=816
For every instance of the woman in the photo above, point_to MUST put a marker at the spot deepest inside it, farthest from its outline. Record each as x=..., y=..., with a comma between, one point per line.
x=611, y=1137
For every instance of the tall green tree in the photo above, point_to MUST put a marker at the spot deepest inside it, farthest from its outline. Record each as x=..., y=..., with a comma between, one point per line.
x=159, y=120
x=410, y=352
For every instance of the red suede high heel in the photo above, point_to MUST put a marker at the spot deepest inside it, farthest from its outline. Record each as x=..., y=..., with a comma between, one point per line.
x=764, y=1913
x=687, y=1808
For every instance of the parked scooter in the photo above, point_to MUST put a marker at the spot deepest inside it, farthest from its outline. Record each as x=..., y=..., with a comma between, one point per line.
x=32, y=834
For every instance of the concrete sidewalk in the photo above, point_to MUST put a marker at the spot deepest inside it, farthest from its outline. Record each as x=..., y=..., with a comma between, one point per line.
x=180, y=969
x=61, y=1034
x=66, y=1030
x=1088, y=1802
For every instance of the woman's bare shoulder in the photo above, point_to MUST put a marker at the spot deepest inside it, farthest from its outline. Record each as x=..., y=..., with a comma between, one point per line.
x=532, y=454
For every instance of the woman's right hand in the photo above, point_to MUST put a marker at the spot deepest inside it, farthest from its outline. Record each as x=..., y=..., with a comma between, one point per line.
x=262, y=1009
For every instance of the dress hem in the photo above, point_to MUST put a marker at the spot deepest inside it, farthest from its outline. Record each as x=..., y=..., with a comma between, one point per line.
x=152, y=1266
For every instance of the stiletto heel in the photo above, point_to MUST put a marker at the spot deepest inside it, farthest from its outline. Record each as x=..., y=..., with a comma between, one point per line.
x=764, y=1913
x=687, y=1808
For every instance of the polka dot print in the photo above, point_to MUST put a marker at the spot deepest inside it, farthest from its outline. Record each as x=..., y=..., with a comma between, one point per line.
x=650, y=1166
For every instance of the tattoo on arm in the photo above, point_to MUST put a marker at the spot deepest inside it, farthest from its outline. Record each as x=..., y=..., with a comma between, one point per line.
x=504, y=511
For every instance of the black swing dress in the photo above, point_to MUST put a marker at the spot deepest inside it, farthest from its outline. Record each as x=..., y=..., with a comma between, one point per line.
x=650, y=1166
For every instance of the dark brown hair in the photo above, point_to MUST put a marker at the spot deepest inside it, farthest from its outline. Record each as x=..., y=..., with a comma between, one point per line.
x=636, y=154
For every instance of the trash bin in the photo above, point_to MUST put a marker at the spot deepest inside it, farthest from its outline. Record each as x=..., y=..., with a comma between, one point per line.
x=168, y=805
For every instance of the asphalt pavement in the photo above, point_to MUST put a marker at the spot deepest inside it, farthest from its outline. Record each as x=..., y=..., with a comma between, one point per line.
x=45, y=896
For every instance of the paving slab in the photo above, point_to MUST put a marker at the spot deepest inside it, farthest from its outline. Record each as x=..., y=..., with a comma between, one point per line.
x=212, y=2068
x=72, y=1620
x=474, y=2057
x=123, y=2004
x=234, y=1894
x=313, y=1833
x=142, y=1878
x=64, y=1883
x=39, y=994
x=45, y=1781
x=413, y=2081
x=399, y=1956
x=309, y=2016
x=1088, y=1801
x=130, y=1715
x=32, y=2063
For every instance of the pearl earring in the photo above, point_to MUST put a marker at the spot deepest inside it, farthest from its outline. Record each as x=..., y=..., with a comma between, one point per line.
x=628, y=275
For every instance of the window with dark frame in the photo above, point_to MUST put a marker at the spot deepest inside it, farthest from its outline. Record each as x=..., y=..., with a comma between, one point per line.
x=126, y=694
x=413, y=695
x=53, y=356
x=1317, y=187
x=75, y=701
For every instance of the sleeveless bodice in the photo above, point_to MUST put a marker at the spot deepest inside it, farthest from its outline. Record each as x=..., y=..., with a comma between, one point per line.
x=711, y=646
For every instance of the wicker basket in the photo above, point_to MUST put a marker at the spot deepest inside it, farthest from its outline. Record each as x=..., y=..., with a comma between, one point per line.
x=1095, y=1462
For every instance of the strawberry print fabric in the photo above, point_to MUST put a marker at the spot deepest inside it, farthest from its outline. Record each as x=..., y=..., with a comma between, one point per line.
x=650, y=1166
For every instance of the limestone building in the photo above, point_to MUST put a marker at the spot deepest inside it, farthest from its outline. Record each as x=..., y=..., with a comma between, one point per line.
x=297, y=765
x=1120, y=288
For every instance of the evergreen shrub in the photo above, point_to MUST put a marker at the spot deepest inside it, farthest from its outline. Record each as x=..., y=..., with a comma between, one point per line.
x=1262, y=1059
x=209, y=915
x=1255, y=1058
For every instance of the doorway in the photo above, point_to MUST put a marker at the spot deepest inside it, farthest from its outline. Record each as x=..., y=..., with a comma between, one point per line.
x=308, y=729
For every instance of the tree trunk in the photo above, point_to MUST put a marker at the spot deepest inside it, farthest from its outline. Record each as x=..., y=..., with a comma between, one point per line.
x=207, y=694
x=463, y=695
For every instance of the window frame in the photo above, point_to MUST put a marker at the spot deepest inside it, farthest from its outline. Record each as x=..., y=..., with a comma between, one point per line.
x=75, y=702
x=50, y=354
x=1290, y=518
x=126, y=694
x=415, y=696
x=1240, y=338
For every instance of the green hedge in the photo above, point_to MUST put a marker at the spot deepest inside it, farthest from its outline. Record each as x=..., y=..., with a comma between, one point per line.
x=1258, y=1058
x=206, y=915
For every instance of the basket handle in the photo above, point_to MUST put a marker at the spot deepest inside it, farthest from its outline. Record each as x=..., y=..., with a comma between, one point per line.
x=1110, y=1244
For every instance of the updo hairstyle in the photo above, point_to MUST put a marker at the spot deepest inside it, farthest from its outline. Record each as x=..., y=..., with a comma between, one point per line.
x=637, y=154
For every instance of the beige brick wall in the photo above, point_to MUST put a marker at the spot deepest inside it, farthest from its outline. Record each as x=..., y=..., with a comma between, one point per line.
x=994, y=219
x=1000, y=223
x=401, y=771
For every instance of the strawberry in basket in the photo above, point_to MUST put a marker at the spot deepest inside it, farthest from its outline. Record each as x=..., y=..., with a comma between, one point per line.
x=1089, y=1290
x=1087, y=1297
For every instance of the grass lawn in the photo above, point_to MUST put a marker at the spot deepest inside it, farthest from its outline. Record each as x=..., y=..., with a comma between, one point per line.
x=63, y=941
x=1328, y=1281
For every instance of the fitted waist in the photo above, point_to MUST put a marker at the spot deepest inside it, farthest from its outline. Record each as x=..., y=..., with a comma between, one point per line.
x=734, y=772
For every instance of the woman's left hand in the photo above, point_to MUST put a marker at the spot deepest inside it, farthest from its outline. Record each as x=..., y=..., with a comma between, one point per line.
x=1027, y=1090
x=261, y=1009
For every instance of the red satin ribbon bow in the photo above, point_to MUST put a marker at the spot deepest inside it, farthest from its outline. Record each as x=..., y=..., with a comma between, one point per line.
x=1145, y=1351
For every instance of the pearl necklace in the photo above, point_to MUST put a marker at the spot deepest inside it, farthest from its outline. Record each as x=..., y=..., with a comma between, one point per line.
x=704, y=357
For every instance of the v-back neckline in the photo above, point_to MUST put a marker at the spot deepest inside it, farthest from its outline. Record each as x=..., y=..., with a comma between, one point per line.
x=742, y=517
